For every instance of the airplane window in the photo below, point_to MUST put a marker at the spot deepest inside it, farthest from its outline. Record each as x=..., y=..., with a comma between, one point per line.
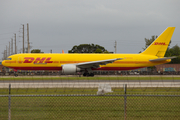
x=9, y=58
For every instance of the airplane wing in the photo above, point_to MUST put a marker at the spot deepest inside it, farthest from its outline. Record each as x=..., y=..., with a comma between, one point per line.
x=96, y=64
x=161, y=59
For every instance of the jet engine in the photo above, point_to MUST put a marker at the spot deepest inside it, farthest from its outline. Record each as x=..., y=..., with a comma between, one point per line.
x=70, y=69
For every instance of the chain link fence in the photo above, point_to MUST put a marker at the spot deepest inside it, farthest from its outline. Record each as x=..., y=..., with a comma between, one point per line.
x=111, y=106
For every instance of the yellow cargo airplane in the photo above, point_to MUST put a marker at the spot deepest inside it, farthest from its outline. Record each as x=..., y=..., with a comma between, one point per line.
x=86, y=63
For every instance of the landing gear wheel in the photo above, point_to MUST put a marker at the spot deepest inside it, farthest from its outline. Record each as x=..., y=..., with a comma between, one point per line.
x=84, y=74
x=91, y=74
x=88, y=74
x=15, y=75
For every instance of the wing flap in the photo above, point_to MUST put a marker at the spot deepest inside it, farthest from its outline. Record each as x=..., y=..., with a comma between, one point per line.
x=162, y=59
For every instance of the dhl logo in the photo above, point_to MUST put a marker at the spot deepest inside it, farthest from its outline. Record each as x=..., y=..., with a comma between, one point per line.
x=38, y=60
x=159, y=43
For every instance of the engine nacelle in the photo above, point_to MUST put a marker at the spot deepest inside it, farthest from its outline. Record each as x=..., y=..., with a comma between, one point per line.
x=70, y=69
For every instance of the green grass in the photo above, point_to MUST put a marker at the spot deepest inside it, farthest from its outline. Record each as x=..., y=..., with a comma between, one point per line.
x=92, y=78
x=90, y=108
x=79, y=91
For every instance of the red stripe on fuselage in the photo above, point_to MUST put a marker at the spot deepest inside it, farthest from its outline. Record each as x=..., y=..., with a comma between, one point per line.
x=37, y=68
x=60, y=68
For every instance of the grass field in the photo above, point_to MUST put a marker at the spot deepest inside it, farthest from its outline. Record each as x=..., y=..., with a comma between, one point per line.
x=80, y=91
x=92, y=107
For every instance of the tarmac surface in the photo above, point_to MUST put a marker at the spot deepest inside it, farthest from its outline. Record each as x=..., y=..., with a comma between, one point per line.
x=87, y=83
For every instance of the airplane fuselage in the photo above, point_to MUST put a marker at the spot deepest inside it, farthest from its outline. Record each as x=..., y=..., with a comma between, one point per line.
x=55, y=61
x=73, y=63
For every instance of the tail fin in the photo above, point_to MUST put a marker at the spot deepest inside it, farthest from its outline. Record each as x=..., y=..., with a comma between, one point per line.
x=159, y=46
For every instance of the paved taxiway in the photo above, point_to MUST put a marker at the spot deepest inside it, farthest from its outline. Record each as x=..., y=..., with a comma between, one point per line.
x=87, y=83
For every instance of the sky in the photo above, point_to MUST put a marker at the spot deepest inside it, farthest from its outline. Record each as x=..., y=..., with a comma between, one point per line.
x=61, y=24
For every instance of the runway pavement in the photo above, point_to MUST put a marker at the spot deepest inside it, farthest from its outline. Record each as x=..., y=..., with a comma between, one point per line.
x=87, y=83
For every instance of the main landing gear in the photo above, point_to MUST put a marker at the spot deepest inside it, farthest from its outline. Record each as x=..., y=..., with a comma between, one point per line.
x=86, y=74
x=15, y=74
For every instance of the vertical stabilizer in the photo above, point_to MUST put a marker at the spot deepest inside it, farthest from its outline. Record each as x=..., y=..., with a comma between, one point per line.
x=159, y=46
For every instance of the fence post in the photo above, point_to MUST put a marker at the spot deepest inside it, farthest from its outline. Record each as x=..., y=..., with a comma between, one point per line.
x=125, y=100
x=9, y=113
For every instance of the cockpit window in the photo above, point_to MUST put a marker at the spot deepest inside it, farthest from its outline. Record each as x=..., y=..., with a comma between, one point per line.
x=9, y=58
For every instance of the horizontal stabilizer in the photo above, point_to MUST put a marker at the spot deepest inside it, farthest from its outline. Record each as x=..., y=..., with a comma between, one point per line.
x=161, y=59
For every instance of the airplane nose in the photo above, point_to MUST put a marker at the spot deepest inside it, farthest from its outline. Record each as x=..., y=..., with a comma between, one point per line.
x=3, y=62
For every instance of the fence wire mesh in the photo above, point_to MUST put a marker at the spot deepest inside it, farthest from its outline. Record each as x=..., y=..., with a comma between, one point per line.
x=88, y=107
x=76, y=98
